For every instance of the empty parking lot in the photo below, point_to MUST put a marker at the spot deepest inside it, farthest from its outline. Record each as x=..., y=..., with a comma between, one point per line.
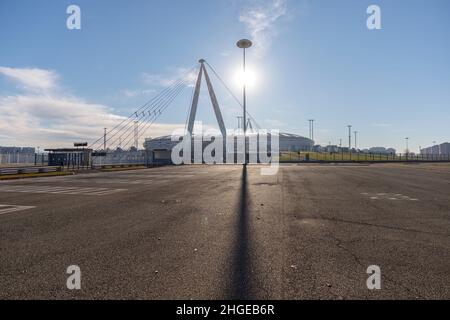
x=218, y=232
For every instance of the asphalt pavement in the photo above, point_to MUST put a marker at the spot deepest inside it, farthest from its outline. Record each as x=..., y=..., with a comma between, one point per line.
x=225, y=232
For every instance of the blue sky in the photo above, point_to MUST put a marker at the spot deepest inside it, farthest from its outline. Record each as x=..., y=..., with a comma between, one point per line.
x=312, y=59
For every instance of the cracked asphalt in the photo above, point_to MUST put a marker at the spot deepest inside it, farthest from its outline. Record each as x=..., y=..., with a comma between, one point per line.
x=222, y=232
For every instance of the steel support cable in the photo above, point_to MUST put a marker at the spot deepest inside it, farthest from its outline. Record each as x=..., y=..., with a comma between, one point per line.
x=162, y=110
x=143, y=114
x=148, y=120
x=149, y=112
x=129, y=118
x=189, y=109
x=231, y=93
x=124, y=129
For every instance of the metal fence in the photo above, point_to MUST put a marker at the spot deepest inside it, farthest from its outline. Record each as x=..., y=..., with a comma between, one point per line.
x=360, y=157
x=42, y=159
x=17, y=159
x=121, y=157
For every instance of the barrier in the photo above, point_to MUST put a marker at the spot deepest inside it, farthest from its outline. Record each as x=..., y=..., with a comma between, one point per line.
x=25, y=170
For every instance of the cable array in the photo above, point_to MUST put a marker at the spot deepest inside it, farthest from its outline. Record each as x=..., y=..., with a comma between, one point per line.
x=123, y=134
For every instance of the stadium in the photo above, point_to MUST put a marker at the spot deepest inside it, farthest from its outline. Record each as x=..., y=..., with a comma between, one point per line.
x=160, y=148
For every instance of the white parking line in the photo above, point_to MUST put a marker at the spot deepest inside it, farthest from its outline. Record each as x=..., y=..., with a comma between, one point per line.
x=59, y=190
x=6, y=208
x=388, y=196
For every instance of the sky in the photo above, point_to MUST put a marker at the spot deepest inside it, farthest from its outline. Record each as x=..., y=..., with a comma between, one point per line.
x=310, y=60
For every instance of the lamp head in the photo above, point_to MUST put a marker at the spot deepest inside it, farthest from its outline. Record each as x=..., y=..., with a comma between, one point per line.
x=244, y=43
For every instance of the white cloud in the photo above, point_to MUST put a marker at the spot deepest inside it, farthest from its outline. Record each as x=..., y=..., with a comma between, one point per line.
x=46, y=118
x=260, y=20
x=128, y=93
x=31, y=79
x=188, y=75
x=274, y=123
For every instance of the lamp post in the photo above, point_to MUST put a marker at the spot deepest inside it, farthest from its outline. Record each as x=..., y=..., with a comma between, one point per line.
x=407, y=147
x=349, y=137
x=104, y=139
x=311, y=131
x=244, y=44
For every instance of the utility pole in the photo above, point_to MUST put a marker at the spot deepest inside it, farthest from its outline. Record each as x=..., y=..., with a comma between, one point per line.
x=407, y=146
x=136, y=133
x=355, y=132
x=311, y=130
x=244, y=44
x=239, y=118
x=104, y=139
x=349, y=137
x=311, y=135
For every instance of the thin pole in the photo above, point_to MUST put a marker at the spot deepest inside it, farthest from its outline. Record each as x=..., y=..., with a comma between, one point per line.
x=243, y=44
x=309, y=123
x=245, y=117
x=349, y=137
x=311, y=130
x=104, y=139
x=136, y=133
x=407, y=147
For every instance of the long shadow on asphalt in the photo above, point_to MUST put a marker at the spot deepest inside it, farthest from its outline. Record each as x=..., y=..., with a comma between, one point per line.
x=240, y=278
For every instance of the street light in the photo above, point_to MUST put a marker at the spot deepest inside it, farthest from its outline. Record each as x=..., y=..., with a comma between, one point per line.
x=349, y=137
x=244, y=44
x=407, y=147
x=311, y=132
x=104, y=139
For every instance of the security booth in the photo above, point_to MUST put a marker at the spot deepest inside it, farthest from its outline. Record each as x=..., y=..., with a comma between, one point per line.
x=160, y=156
x=70, y=158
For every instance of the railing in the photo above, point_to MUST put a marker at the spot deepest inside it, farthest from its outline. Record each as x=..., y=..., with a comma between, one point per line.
x=121, y=158
x=23, y=159
x=305, y=156
x=12, y=171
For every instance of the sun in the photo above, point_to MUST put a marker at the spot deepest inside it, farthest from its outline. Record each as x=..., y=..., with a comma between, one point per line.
x=248, y=78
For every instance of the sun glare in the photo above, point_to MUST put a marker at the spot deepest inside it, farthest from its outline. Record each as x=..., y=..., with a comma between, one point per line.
x=248, y=78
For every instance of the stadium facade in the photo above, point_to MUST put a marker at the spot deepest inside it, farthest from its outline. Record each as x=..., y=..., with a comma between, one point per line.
x=160, y=148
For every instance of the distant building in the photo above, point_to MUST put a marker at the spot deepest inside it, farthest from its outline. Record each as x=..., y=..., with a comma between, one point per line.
x=445, y=148
x=438, y=149
x=382, y=150
x=15, y=150
x=160, y=148
x=331, y=148
x=17, y=155
x=391, y=151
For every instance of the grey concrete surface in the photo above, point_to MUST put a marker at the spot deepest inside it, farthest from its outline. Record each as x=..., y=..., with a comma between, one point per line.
x=222, y=232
